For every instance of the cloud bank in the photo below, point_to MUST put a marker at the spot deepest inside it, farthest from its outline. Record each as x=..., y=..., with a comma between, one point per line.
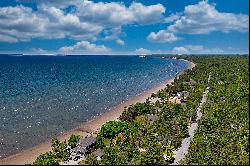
x=84, y=47
x=162, y=36
x=142, y=51
x=201, y=18
x=197, y=49
x=85, y=21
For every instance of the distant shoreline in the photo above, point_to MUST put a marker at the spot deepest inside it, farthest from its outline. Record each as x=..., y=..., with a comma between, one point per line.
x=29, y=155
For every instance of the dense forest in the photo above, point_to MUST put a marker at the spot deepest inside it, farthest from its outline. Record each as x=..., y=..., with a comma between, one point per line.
x=223, y=133
x=151, y=132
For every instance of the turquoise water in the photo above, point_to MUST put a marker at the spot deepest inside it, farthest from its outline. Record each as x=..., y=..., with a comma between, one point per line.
x=43, y=96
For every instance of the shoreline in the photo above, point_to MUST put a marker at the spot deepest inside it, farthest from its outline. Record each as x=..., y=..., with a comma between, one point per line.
x=29, y=155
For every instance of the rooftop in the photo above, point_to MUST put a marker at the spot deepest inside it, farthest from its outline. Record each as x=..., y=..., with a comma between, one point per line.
x=87, y=141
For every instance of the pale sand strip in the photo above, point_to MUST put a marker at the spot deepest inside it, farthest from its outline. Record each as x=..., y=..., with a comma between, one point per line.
x=29, y=155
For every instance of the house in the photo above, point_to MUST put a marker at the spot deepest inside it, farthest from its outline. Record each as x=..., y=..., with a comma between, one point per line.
x=168, y=138
x=190, y=82
x=171, y=100
x=85, y=145
x=157, y=110
x=176, y=99
x=179, y=98
x=151, y=118
x=183, y=94
x=154, y=99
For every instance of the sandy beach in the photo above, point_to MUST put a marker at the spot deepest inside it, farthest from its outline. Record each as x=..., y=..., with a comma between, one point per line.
x=29, y=155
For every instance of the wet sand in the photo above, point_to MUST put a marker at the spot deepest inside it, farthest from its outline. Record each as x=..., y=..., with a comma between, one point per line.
x=29, y=155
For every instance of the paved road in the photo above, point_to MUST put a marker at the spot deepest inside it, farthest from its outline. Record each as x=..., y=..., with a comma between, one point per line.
x=182, y=151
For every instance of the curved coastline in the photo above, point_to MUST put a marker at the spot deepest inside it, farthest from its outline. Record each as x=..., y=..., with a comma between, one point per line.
x=29, y=155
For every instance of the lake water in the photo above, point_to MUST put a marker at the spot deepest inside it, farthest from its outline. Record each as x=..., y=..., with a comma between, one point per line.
x=43, y=96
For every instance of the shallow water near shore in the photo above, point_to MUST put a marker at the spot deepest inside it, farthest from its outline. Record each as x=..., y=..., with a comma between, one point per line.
x=43, y=96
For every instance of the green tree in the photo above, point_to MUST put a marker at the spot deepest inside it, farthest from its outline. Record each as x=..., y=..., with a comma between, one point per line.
x=59, y=149
x=135, y=110
x=47, y=158
x=111, y=129
x=73, y=140
x=91, y=160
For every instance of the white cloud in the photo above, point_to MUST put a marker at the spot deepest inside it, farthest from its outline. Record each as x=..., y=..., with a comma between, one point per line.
x=117, y=14
x=172, y=17
x=109, y=13
x=203, y=18
x=214, y=51
x=37, y=51
x=146, y=14
x=197, y=49
x=142, y=51
x=113, y=33
x=85, y=22
x=84, y=47
x=120, y=42
x=8, y=39
x=162, y=36
x=106, y=14
x=22, y=23
x=19, y=23
x=55, y=3
x=69, y=25
x=180, y=50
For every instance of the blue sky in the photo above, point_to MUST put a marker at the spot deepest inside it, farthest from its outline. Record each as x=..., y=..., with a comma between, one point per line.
x=129, y=27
